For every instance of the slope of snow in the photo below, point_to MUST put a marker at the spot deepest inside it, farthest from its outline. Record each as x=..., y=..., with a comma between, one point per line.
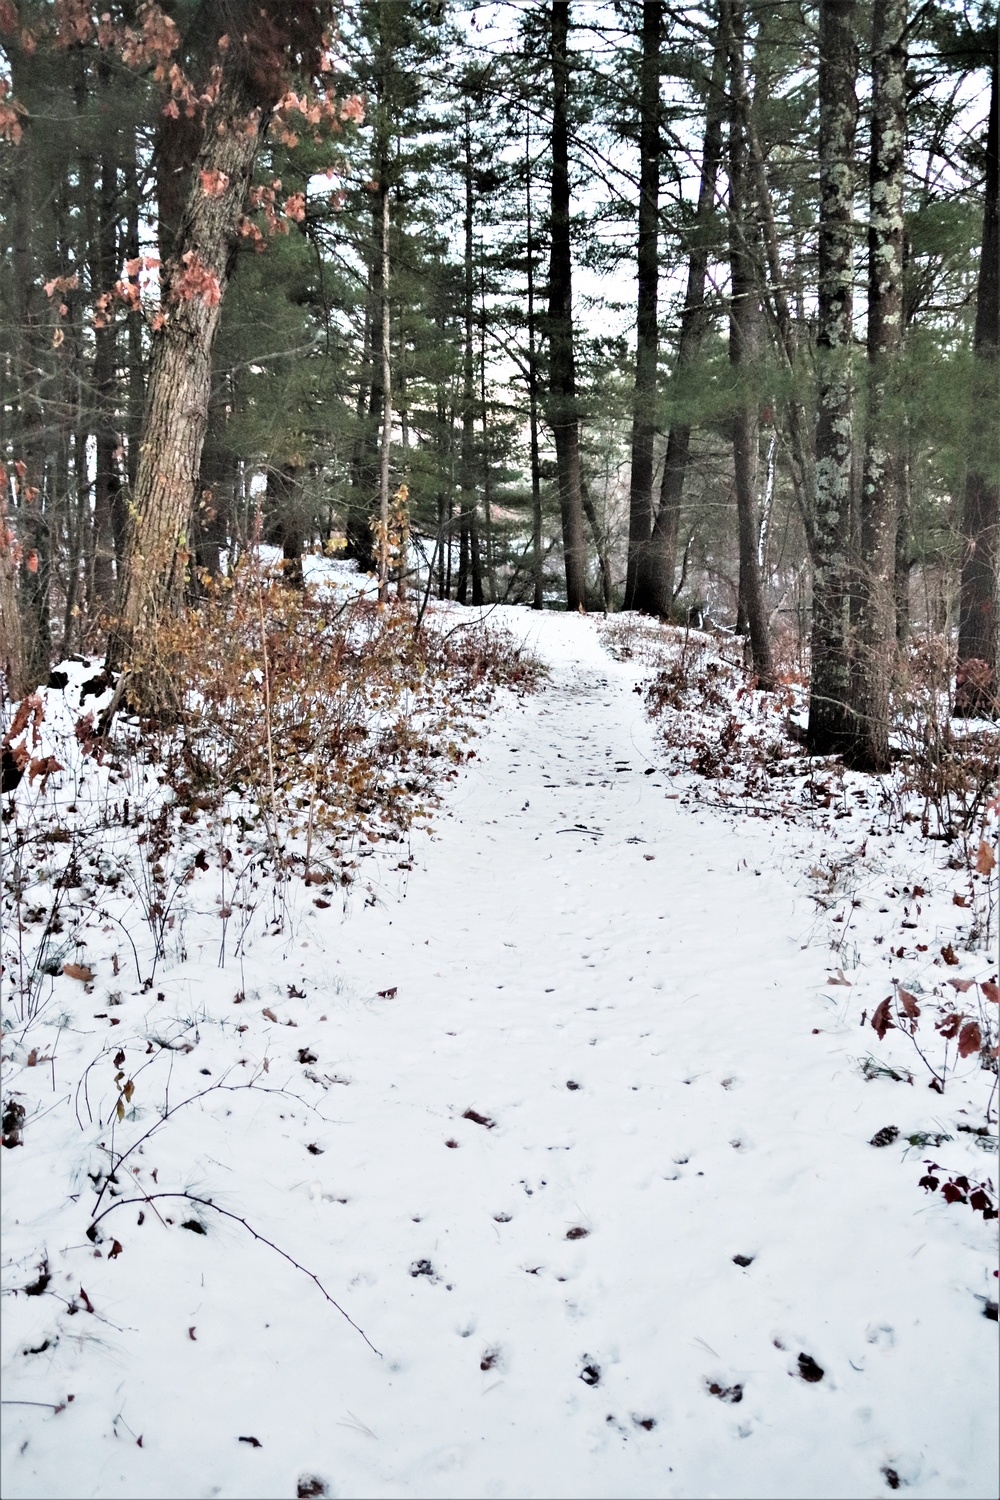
x=631, y=994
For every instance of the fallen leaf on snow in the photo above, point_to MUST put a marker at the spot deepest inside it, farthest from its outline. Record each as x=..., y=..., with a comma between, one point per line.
x=78, y=971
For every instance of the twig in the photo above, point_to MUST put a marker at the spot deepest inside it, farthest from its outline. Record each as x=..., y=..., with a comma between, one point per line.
x=213, y=1088
x=207, y=1203
x=49, y=1405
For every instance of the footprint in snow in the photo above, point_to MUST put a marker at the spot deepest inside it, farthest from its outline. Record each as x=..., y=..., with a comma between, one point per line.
x=731, y=1394
x=310, y=1485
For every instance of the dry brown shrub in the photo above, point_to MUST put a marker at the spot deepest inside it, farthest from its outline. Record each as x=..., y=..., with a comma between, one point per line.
x=954, y=771
x=323, y=718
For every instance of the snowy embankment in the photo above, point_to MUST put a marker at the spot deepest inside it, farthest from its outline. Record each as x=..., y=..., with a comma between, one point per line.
x=570, y=1121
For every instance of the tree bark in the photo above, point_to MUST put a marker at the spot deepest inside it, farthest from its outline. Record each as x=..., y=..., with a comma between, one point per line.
x=180, y=377
x=538, y=596
x=694, y=323
x=868, y=747
x=32, y=368
x=830, y=684
x=563, y=417
x=978, y=688
x=12, y=679
x=357, y=527
x=744, y=356
x=470, y=529
x=136, y=367
x=102, y=210
x=638, y=579
x=489, y=555
x=386, y=446
x=904, y=545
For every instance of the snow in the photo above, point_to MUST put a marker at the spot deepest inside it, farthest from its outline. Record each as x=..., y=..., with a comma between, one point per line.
x=632, y=990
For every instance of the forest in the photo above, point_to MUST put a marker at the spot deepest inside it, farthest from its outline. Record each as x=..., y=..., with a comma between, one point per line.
x=500, y=575
x=772, y=401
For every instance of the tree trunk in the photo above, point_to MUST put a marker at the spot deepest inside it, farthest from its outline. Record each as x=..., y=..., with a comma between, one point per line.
x=180, y=377
x=640, y=530
x=442, y=438
x=12, y=679
x=470, y=529
x=102, y=215
x=216, y=484
x=285, y=506
x=904, y=546
x=489, y=557
x=694, y=322
x=360, y=541
x=600, y=545
x=978, y=688
x=744, y=355
x=136, y=368
x=32, y=360
x=868, y=748
x=386, y=447
x=562, y=412
x=830, y=685
x=538, y=597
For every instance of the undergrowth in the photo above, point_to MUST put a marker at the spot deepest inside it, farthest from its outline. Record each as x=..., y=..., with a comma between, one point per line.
x=728, y=745
x=296, y=730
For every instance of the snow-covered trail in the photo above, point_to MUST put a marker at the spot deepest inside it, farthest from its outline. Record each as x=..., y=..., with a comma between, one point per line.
x=646, y=963
x=607, y=980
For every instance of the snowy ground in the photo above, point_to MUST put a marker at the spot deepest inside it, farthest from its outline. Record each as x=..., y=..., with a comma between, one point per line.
x=524, y=1107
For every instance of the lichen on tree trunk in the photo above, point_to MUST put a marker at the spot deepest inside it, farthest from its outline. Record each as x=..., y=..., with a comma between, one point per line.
x=868, y=748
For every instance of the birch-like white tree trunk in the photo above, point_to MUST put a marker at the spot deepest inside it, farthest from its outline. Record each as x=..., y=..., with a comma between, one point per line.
x=830, y=686
x=868, y=746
